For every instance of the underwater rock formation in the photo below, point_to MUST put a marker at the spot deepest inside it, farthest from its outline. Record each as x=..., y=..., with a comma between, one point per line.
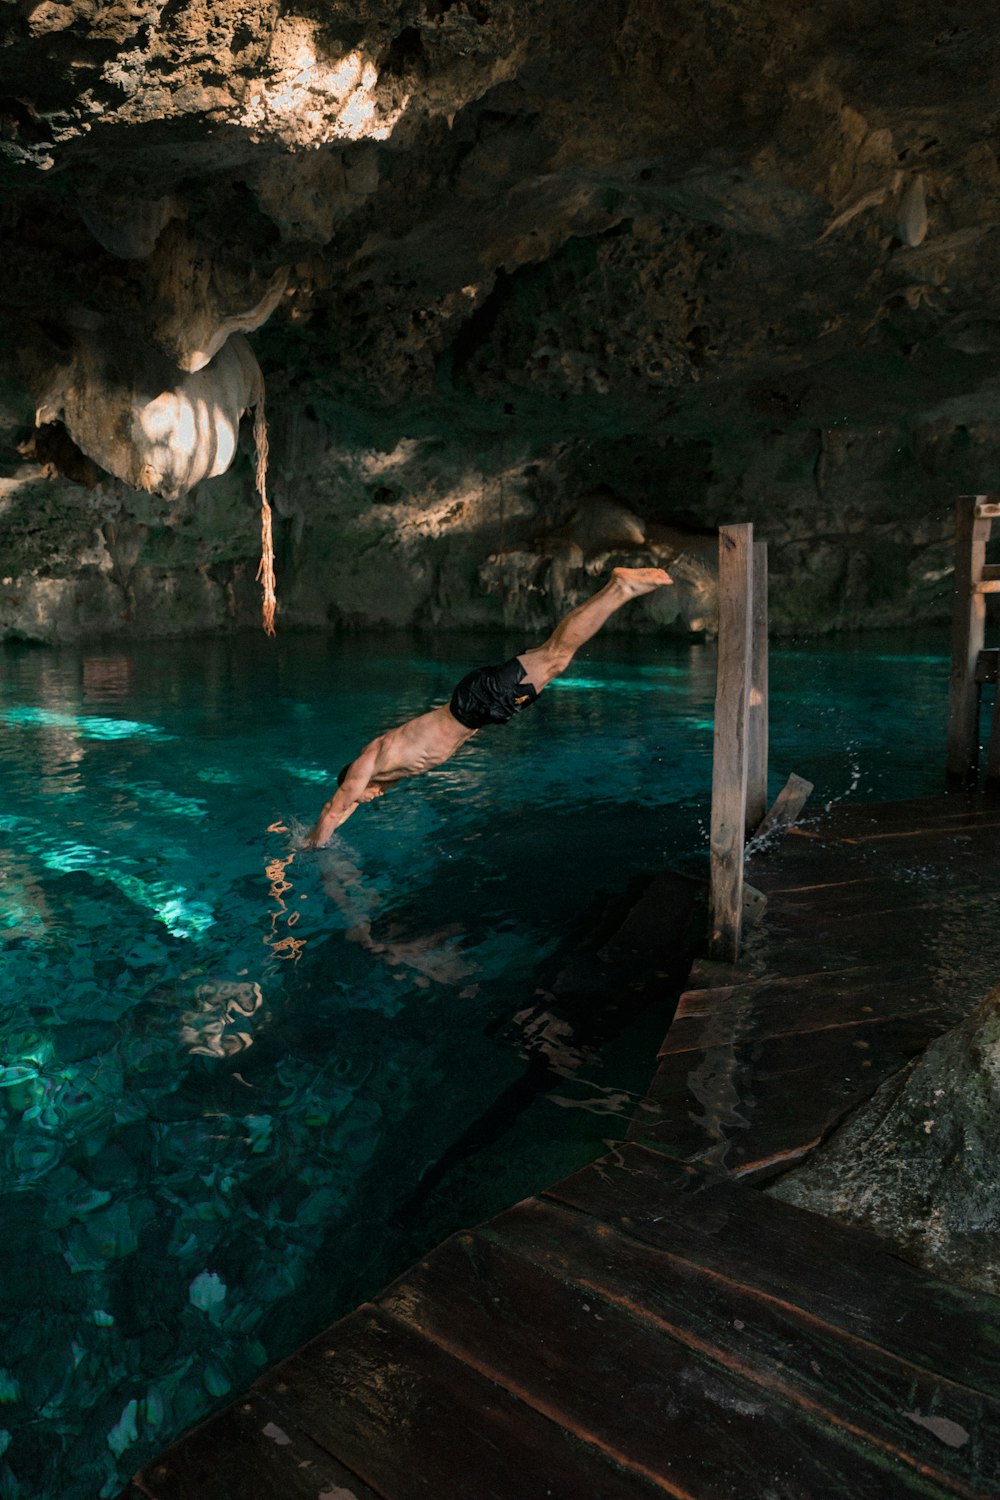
x=918, y=1163
x=728, y=265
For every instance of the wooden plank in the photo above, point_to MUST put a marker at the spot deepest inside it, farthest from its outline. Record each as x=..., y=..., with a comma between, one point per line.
x=825, y=1371
x=818, y=854
x=968, y=629
x=692, y=1424
x=837, y=853
x=837, y=900
x=844, y=1275
x=983, y=830
x=758, y=1106
x=416, y=1423
x=918, y=811
x=703, y=1000
x=786, y=806
x=919, y=949
x=802, y=866
x=684, y=1119
x=988, y=665
x=983, y=506
x=926, y=871
x=839, y=845
x=757, y=709
x=729, y=750
x=706, y=974
x=794, y=905
x=769, y=1008
x=842, y=929
x=250, y=1449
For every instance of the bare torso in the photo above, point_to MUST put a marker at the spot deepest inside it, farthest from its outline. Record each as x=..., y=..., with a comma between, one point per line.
x=419, y=744
x=424, y=742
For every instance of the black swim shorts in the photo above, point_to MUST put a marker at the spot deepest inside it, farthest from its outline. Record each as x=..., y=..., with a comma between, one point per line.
x=492, y=695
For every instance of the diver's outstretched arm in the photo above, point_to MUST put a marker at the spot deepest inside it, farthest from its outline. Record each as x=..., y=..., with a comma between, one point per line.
x=346, y=798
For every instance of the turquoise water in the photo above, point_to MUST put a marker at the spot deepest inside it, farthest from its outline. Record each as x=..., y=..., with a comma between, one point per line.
x=226, y=1067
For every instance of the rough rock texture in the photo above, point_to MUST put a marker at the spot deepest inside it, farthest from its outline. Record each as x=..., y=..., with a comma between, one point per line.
x=918, y=1163
x=722, y=261
x=141, y=418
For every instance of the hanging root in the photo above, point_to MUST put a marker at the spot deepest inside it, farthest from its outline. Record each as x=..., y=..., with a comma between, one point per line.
x=265, y=573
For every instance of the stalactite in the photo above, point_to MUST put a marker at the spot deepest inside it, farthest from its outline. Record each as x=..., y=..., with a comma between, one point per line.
x=265, y=573
x=911, y=219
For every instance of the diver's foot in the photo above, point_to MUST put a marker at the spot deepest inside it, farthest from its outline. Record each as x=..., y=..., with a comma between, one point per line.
x=640, y=580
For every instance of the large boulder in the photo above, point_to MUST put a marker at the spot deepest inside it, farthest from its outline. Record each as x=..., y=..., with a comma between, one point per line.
x=918, y=1163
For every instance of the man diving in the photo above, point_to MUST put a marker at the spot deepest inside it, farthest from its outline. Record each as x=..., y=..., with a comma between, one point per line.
x=487, y=695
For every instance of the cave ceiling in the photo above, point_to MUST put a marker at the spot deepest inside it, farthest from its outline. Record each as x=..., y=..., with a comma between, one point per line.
x=672, y=222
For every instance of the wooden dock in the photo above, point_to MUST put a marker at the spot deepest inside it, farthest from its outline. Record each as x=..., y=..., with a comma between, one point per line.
x=880, y=933
x=655, y=1325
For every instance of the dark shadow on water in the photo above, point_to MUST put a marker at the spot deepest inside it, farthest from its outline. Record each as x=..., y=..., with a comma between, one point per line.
x=633, y=951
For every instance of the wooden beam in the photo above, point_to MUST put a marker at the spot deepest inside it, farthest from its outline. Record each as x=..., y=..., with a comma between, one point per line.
x=729, y=760
x=988, y=665
x=757, y=718
x=786, y=806
x=967, y=635
x=983, y=507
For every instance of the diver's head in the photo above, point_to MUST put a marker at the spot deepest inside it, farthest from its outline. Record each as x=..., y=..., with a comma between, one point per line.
x=372, y=790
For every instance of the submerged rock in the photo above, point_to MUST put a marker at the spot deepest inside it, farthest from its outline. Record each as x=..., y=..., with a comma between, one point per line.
x=918, y=1164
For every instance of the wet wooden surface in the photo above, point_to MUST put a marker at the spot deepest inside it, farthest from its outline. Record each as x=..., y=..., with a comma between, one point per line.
x=879, y=933
x=654, y=1325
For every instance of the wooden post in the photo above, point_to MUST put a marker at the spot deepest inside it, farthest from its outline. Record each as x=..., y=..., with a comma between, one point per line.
x=967, y=635
x=729, y=761
x=757, y=721
x=993, y=752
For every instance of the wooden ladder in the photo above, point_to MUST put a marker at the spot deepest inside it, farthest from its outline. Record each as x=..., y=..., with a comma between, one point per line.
x=972, y=664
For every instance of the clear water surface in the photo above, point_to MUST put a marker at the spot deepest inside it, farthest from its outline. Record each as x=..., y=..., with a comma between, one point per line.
x=225, y=1067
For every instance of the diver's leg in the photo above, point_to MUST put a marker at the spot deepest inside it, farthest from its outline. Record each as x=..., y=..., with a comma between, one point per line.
x=544, y=662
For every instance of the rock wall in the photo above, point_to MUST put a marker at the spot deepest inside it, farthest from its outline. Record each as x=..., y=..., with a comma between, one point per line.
x=428, y=533
x=494, y=258
x=917, y=1164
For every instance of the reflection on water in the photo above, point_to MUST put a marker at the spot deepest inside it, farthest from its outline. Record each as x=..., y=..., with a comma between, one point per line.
x=241, y=1084
x=284, y=914
x=107, y=679
x=218, y=1023
x=88, y=726
x=433, y=955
